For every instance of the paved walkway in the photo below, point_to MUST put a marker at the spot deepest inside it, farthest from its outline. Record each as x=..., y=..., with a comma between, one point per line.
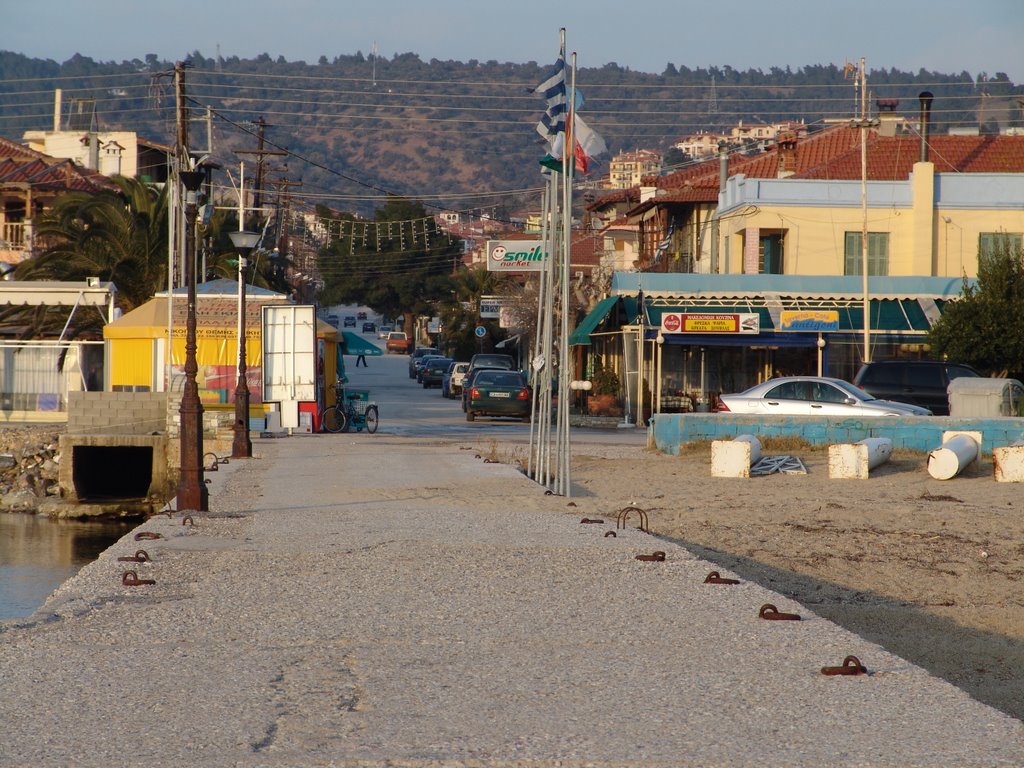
x=374, y=600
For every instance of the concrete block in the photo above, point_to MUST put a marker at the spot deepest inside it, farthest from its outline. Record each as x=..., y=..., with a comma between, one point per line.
x=854, y=461
x=1008, y=463
x=732, y=458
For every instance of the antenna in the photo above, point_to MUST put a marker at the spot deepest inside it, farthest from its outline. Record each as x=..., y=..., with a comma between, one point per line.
x=374, y=55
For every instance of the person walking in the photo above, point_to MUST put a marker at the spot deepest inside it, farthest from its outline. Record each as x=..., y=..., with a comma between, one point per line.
x=361, y=359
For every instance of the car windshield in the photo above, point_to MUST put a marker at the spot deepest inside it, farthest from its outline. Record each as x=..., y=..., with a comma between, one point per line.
x=498, y=379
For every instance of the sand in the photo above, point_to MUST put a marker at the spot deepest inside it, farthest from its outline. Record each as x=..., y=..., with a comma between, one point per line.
x=931, y=570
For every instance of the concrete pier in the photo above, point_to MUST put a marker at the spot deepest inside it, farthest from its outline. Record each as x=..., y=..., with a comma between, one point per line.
x=371, y=600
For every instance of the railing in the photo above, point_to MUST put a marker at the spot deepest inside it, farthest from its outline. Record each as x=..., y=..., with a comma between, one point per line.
x=12, y=236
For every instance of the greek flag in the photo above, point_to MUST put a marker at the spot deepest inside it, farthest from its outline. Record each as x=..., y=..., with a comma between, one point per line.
x=552, y=125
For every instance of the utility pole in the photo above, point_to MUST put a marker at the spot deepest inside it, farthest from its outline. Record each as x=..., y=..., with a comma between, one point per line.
x=260, y=152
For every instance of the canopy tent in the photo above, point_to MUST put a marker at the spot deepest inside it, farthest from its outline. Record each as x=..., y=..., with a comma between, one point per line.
x=354, y=344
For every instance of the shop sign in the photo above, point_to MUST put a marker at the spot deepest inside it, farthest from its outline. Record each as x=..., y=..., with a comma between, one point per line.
x=515, y=256
x=490, y=307
x=682, y=322
x=814, y=320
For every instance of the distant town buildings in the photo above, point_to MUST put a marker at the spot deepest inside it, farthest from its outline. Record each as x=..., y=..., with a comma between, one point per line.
x=627, y=168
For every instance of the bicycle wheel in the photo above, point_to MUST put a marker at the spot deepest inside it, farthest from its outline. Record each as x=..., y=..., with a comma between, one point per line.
x=371, y=419
x=332, y=420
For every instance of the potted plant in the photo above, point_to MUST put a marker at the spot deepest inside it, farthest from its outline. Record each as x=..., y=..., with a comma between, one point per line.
x=604, y=393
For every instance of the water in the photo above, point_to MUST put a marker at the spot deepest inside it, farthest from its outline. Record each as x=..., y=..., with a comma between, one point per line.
x=38, y=554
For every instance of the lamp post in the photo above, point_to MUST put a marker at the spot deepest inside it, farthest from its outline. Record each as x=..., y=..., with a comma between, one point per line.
x=241, y=446
x=192, y=492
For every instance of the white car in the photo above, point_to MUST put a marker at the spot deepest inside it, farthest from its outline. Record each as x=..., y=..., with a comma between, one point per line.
x=812, y=396
x=383, y=331
x=454, y=380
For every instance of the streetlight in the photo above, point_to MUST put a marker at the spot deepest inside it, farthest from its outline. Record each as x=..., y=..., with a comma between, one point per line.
x=192, y=491
x=241, y=446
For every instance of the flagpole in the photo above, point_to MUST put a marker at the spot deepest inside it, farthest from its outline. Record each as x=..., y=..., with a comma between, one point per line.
x=569, y=166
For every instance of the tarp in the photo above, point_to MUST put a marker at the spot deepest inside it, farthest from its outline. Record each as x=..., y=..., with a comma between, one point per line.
x=354, y=344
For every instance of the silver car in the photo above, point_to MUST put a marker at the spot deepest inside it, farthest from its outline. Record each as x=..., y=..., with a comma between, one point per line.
x=812, y=396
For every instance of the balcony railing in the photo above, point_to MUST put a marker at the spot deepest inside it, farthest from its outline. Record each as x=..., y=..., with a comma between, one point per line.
x=12, y=236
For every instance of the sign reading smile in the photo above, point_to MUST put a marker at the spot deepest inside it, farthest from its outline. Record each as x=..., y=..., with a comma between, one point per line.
x=515, y=256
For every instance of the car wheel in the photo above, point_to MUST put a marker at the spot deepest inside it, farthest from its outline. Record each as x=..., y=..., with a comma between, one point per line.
x=470, y=416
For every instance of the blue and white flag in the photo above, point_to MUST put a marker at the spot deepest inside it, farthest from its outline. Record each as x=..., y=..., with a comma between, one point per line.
x=552, y=125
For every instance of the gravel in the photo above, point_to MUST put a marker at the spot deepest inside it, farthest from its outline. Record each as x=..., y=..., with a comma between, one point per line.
x=358, y=600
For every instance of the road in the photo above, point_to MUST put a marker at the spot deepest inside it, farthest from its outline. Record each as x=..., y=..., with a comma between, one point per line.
x=409, y=410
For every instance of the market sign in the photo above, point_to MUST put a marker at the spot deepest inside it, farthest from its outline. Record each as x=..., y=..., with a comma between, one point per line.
x=515, y=256
x=814, y=320
x=682, y=322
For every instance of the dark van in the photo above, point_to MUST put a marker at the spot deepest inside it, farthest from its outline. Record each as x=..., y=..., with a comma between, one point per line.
x=492, y=360
x=919, y=382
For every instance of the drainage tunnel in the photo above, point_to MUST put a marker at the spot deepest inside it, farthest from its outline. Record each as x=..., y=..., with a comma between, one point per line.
x=103, y=473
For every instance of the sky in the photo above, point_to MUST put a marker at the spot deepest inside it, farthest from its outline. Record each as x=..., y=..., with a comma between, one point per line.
x=946, y=36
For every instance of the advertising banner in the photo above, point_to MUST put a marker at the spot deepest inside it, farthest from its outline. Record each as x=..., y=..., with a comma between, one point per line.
x=689, y=322
x=515, y=256
x=814, y=320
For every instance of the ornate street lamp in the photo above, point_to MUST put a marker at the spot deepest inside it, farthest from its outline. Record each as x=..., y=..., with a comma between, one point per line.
x=192, y=492
x=241, y=446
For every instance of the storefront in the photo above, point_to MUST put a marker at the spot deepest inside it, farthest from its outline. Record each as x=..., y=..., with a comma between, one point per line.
x=708, y=334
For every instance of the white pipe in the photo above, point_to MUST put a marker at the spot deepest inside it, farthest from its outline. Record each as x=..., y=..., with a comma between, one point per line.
x=949, y=461
x=879, y=450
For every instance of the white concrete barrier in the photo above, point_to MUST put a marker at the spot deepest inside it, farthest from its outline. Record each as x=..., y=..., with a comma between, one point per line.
x=854, y=461
x=733, y=458
x=1008, y=463
x=958, y=450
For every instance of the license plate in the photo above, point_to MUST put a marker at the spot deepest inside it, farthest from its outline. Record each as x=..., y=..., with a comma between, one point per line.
x=499, y=394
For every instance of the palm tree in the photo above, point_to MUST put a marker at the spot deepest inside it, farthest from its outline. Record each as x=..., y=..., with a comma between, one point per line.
x=118, y=236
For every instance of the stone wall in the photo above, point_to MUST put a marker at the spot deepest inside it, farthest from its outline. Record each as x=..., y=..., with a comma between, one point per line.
x=117, y=413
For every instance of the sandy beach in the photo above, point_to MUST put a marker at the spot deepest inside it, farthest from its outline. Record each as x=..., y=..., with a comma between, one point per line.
x=931, y=570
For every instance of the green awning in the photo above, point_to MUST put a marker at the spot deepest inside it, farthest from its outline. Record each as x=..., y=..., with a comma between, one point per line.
x=354, y=344
x=581, y=335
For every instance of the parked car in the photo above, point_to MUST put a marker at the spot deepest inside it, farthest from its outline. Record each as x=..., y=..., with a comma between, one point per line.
x=421, y=364
x=467, y=380
x=397, y=342
x=433, y=370
x=361, y=315
x=414, y=358
x=496, y=392
x=812, y=396
x=350, y=321
x=492, y=360
x=333, y=320
x=384, y=330
x=369, y=327
x=451, y=382
x=919, y=382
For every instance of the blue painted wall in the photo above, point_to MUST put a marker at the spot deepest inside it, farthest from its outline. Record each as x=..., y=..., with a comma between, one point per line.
x=915, y=433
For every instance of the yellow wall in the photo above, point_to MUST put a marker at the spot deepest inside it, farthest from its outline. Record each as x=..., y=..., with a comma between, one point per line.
x=921, y=242
x=131, y=362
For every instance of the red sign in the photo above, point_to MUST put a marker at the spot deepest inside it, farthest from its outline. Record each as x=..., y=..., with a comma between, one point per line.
x=671, y=322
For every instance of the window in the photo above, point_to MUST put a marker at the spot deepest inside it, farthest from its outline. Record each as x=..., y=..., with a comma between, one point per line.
x=878, y=253
x=992, y=243
x=770, y=251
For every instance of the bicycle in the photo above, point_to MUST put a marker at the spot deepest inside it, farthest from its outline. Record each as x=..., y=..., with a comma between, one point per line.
x=350, y=411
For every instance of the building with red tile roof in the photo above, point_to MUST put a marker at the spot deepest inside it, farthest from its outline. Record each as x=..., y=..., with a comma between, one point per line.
x=29, y=182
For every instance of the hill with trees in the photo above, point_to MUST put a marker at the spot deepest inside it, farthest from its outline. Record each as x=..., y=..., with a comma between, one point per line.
x=457, y=135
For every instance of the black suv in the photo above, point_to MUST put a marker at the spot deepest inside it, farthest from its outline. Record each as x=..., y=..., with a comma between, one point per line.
x=919, y=382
